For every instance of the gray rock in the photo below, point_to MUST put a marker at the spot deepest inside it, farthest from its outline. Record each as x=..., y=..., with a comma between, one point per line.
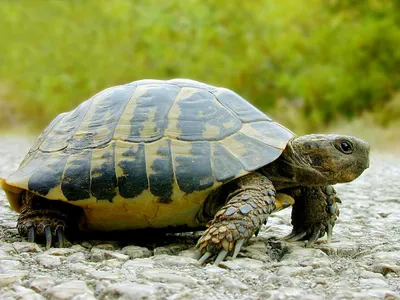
x=7, y=279
x=233, y=285
x=170, y=276
x=128, y=291
x=41, y=283
x=136, y=252
x=9, y=266
x=48, y=261
x=22, y=247
x=169, y=261
x=292, y=272
x=75, y=289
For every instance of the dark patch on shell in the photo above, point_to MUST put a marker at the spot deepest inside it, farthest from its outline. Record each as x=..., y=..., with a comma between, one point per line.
x=133, y=181
x=162, y=177
x=76, y=181
x=194, y=172
x=104, y=181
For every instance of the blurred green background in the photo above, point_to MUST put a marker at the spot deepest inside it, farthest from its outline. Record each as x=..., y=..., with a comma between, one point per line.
x=311, y=65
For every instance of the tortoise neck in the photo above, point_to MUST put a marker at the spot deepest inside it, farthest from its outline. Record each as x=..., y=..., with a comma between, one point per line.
x=292, y=169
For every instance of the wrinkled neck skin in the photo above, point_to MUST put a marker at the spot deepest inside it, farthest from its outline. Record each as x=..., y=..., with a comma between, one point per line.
x=293, y=169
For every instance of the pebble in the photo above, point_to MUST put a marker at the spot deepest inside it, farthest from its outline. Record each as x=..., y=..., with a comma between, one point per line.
x=41, y=283
x=23, y=247
x=136, y=252
x=48, y=261
x=170, y=276
x=74, y=289
x=128, y=291
x=233, y=285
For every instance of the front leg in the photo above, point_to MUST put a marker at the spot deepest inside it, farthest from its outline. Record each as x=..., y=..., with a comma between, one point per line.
x=314, y=212
x=249, y=202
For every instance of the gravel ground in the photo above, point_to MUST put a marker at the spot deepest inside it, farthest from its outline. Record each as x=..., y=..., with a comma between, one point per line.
x=362, y=262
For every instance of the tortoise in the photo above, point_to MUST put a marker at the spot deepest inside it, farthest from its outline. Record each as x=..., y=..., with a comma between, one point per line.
x=180, y=155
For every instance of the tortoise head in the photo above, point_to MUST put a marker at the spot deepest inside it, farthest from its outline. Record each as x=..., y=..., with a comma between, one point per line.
x=328, y=159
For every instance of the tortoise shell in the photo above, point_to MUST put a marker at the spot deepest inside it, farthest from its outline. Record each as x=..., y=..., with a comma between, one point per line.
x=147, y=153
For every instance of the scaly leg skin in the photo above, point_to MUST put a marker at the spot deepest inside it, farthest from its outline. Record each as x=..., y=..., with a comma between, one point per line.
x=315, y=212
x=250, y=201
x=48, y=220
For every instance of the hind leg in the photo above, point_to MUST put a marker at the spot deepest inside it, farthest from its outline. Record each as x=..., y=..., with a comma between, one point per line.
x=41, y=219
x=314, y=213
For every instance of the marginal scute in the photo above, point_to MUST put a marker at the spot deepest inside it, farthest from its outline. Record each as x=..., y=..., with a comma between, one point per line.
x=76, y=180
x=103, y=176
x=160, y=171
x=131, y=169
x=48, y=173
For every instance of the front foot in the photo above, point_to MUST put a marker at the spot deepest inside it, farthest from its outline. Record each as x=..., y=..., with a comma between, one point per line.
x=314, y=213
x=235, y=223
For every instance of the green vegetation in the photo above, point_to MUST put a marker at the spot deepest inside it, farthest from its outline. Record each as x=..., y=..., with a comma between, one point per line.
x=304, y=63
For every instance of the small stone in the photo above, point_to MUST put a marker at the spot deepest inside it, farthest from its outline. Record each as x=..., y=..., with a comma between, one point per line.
x=96, y=255
x=293, y=271
x=126, y=291
x=8, y=266
x=169, y=276
x=41, y=283
x=373, y=283
x=138, y=263
x=242, y=263
x=76, y=257
x=384, y=268
x=368, y=274
x=233, y=285
x=76, y=289
x=172, y=260
x=60, y=251
x=48, y=261
x=26, y=294
x=136, y=252
x=116, y=255
x=172, y=249
x=103, y=275
x=7, y=279
x=22, y=247
x=109, y=247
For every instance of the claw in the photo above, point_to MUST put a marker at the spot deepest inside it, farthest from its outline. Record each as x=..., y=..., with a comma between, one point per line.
x=329, y=232
x=297, y=237
x=61, y=238
x=332, y=209
x=289, y=236
x=31, y=234
x=47, y=234
x=313, y=238
x=204, y=257
x=221, y=256
x=238, y=246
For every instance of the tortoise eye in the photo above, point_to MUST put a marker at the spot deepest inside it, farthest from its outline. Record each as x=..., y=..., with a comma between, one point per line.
x=346, y=147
